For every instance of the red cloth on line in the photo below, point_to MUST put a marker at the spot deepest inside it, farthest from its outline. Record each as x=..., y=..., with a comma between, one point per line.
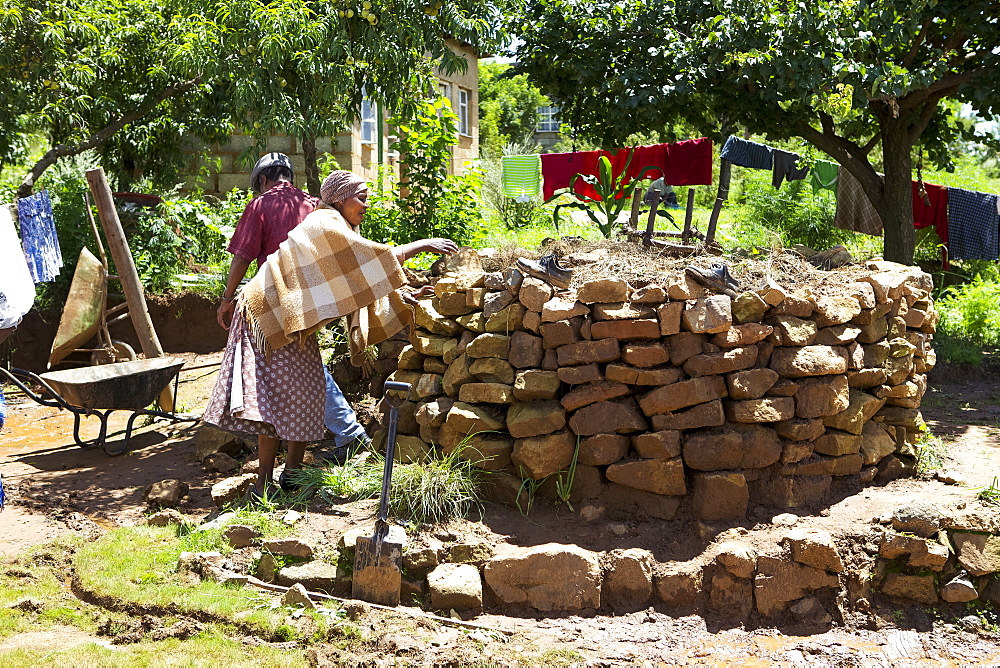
x=559, y=168
x=685, y=163
x=936, y=214
x=933, y=212
x=267, y=220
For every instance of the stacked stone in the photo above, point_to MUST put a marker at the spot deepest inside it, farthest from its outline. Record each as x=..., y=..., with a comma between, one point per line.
x=672, y=391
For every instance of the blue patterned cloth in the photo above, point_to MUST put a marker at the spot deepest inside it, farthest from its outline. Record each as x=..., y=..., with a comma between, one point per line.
x=3, y=409
x=973, y=225
x=747, y=153
x=38, y=237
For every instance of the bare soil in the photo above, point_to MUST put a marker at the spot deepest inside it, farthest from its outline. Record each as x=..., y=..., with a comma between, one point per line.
x=57, y=488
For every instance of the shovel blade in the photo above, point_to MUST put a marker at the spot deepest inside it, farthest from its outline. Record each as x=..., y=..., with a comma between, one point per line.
x=378, y=561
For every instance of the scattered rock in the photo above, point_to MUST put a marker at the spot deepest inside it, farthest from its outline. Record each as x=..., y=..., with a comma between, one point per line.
x=785, y=519
x=167, y=517
x=738, y=558
x=810, y=609
x=814, y=548
x=547, y=577
x=919, y=588
x=313, y=575
x=240, y=535
x=455, y=586
x=288, y=547
x=210, y=440
x=628, y=580
x=166, y=493
x=959, y=590
x=220, y=462
x=979, y=553
x=918, y=517
x=470, y=553
x=297, y=595
x=229, y=490
x=949, y=477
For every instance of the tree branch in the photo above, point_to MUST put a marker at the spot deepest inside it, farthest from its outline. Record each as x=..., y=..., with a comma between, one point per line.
x=944, y=86
x=101, y=136
x=917, y=42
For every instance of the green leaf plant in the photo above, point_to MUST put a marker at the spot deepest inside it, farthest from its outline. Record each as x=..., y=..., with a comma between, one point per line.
x=614, y=193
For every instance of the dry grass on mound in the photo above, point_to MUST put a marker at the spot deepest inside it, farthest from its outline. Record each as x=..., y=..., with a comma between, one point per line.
x=642, y=266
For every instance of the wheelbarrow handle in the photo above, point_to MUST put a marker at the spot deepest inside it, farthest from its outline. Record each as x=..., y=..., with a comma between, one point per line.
x=390, y=446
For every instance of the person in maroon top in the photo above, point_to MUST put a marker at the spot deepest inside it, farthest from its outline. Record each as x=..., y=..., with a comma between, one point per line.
x=266, y=221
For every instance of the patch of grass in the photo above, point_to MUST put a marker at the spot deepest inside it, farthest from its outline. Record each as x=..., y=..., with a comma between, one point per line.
x=990, y=496
x=561, y=657
x=431, y=491
x=138, y=566
x=931, y=450
x=266, y=523
x=208, y=649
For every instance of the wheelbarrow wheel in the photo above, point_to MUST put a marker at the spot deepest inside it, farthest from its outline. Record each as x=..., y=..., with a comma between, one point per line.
x=118, y=352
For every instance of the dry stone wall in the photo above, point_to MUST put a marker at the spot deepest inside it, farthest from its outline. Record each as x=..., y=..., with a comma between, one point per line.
x=676, y=397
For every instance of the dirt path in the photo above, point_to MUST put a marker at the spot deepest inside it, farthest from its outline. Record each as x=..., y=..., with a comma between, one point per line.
x=60, y=488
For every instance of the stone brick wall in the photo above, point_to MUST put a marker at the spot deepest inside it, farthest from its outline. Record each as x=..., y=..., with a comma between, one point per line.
x=681, y=400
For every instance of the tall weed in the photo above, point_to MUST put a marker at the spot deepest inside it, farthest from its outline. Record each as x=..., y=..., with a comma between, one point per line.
x=971, y=311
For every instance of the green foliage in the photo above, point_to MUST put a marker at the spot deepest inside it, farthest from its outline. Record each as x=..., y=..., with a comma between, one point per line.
x=427, y=202
x=931, y=451
x=791, y=214
x=508, y=108
x=971, y=311
x=564, y=480
x=135, y=80
x=990, y=496
x=844, y=76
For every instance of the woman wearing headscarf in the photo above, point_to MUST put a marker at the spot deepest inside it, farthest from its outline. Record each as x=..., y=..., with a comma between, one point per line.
x=271, y=382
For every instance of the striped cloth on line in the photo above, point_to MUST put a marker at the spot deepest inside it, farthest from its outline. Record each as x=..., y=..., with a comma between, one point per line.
x=854, y=210
x=973, y=225
x=746, y=153
x=521, y=176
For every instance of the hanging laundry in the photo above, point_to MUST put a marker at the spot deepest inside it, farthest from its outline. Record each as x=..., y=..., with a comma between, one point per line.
x=784, y=167
x=932, y=211
x=746, y=153
x=973, y=225
x=521, y=176
x=3, y=418
x=17, y=289
x=855, y=211
x=38, y=236
x=688, y=163
x=824, y=175
x=558, y=169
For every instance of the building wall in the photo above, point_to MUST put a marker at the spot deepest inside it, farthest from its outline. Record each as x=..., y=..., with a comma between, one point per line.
x=222, y=170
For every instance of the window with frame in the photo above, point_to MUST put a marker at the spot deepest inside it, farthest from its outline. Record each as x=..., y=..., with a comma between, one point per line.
x=548, y=119
x=463, y=111
x=368, y=121
x=445, y=89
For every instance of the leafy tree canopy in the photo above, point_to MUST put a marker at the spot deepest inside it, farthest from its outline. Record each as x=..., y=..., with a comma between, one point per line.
x=508, y=107
x=136, y=77
x=847, y=76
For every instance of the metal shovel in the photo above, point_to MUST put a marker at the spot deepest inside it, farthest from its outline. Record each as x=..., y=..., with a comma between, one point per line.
x=378, y=558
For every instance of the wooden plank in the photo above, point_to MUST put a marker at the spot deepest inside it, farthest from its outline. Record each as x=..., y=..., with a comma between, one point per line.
x=127, y=274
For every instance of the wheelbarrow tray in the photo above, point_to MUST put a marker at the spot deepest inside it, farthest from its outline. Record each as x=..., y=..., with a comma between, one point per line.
x=126, y=385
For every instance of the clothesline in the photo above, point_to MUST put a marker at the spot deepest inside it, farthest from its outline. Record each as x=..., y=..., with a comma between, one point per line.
x=967, y=221
x=684, y=163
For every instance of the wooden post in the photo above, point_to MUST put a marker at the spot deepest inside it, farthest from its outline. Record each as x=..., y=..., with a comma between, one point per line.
x=725, y=177
x=128, y=276
x=688, y=215
x=633, y=220
x=648, y=235
x=713, y=221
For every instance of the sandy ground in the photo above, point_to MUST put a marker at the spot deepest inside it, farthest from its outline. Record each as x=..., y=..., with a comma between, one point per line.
x=70, y=489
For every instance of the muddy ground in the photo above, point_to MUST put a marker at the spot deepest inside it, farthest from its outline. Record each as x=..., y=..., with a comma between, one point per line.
x=59, y=488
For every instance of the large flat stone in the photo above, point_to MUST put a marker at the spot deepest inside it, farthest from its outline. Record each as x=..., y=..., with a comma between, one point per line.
x=546, y=577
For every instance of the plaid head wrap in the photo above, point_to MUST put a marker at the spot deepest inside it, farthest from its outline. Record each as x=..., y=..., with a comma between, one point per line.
x=341, y=185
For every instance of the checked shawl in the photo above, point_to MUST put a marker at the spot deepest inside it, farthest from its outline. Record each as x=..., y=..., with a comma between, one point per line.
x=324, y=271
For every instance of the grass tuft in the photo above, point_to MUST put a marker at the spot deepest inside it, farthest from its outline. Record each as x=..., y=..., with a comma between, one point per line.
x=990, y=496
x=431, y=491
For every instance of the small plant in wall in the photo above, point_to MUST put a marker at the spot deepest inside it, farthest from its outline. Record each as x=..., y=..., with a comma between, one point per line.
x=565, y=479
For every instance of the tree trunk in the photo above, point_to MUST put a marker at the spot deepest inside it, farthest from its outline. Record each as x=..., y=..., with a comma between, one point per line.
x=312, y=168
x=896, y=204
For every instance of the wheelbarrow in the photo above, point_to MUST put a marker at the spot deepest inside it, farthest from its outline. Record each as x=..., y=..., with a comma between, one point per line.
x=101, y=390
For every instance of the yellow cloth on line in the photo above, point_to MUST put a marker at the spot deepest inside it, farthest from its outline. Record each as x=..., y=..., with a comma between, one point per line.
x=324, y=271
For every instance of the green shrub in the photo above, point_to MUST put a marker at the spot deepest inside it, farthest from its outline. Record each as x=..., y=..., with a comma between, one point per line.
x=791, y=214
x=971, y=312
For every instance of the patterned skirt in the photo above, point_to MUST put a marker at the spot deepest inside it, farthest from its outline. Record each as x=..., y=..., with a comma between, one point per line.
x=283, y=397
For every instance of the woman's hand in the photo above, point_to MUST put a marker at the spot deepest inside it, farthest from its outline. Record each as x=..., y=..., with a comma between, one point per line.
x=225, y=309
x=441, y=246
x=412, y=297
